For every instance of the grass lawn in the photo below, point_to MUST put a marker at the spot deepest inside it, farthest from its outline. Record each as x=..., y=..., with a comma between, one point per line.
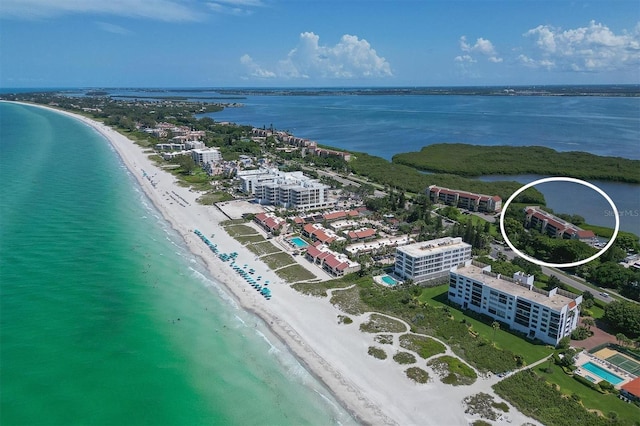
x=494, y=229
x=530, y=352
x=590, y=398
x=597, y=311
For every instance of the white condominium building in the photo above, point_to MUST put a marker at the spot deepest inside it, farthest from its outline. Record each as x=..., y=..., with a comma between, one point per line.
x=205, y=156
x=430, y=259
x=545, y=315
x=288, y=189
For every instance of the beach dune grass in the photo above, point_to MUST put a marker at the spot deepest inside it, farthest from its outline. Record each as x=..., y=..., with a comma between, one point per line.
x=376, y=352
x=590, y=398
x=404, y=358
x=424, y=346
x=549, y=399
x=319, y=289
x=238, y=230
x=348, y=301
x=385, y=339
x=276, y=260
x=249, y=239
x=417, y=374
x=212, y=197
x=265, y=247
x=453, y=371
x=382, y=324
x=294, y=273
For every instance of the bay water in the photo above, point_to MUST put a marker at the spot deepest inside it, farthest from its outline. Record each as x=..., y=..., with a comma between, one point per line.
x=105, y=317
x=385, y=125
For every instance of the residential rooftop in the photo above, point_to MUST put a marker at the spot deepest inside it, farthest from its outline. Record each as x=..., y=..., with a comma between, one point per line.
x=440, y=245
x=507, y=285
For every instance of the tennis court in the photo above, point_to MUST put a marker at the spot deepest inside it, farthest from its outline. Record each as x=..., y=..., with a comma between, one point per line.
x=620, y=360
x=626, y=363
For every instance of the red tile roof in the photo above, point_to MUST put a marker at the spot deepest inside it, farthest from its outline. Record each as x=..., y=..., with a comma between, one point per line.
x=324, y=255
x=342, y=266
x=332, y=261
x=313, y=251
x=334, y=215
x=362, y=233
x=633, y=387
x=586, y=234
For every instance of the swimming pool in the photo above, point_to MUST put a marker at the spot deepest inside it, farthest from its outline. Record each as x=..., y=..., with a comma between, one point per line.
x=388, y=280
x=601, y=372
x=298, y=242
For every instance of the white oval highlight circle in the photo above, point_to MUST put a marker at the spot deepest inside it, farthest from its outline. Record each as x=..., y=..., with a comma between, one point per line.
x=560, y=179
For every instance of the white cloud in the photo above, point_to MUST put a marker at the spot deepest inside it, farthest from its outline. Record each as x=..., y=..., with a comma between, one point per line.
x=465, y=58
x=592, y=48
x=113, y=28
x=161, y=10
x=242, y=2
x=482, y=46
x=234, y=7
x=254, y=69
x=350, y=58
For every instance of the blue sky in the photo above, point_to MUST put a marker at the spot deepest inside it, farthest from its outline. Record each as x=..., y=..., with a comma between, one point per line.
x=304, y=43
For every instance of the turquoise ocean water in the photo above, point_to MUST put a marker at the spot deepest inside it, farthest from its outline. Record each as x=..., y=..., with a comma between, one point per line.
x=105, y=317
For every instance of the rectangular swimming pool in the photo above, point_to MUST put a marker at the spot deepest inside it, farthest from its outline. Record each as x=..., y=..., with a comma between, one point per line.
x=298, y=242
x=602, y=373
x=388, y=280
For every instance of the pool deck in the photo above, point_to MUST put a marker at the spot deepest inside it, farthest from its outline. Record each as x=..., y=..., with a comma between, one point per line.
x=378, y=279
x=584, y=357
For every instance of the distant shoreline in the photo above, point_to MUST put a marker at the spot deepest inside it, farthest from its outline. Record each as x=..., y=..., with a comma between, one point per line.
x=602, y=90
x=473, y=161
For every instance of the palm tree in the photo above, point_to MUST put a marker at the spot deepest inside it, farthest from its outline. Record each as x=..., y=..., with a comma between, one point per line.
x=496, y=326
x=588, y=322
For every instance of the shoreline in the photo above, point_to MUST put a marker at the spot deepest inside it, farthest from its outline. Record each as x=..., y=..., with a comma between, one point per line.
x=372, y=391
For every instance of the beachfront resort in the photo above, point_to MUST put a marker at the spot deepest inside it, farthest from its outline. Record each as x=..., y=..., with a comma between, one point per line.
x=299, y=230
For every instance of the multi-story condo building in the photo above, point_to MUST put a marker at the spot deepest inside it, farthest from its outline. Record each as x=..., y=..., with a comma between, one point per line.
x=553, y=226
x=290, y=190
x=205, y=156
x=430, y=259
x=465, y=200
x=545, y=315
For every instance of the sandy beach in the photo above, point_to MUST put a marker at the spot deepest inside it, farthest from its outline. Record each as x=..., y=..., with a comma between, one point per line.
x=374, y=391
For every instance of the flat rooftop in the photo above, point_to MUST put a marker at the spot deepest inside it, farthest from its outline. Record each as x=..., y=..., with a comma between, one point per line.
x=427, y=248
x=555, y=302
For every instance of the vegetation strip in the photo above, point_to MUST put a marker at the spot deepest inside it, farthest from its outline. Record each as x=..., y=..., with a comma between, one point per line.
x=476, y=160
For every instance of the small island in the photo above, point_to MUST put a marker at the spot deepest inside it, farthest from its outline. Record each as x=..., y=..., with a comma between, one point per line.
x=475, y=160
